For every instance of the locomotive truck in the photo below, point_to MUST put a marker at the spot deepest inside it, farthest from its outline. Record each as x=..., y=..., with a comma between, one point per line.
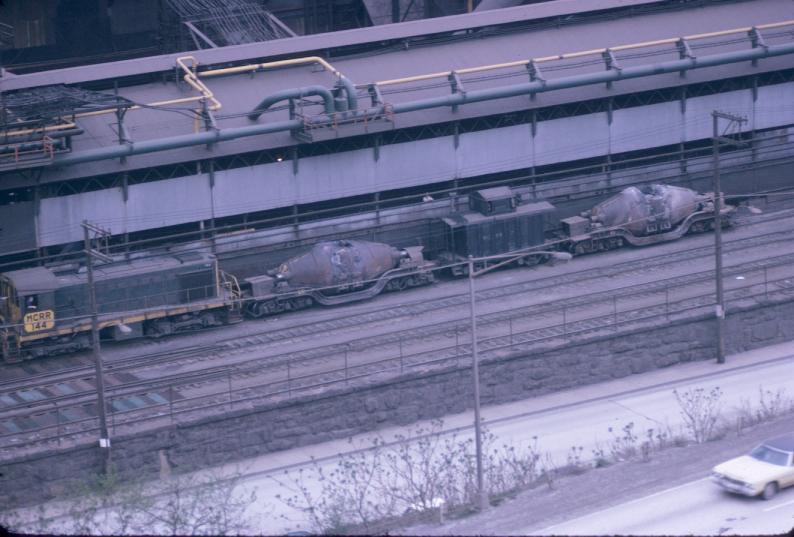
x=44, y=311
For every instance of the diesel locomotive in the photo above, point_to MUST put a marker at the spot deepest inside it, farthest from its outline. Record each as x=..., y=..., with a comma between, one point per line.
x=45, y=310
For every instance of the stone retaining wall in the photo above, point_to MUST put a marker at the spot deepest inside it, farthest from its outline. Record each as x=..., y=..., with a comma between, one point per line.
x=417, y=396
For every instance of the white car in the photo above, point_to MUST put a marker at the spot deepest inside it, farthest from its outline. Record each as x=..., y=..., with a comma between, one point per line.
x=767, y=469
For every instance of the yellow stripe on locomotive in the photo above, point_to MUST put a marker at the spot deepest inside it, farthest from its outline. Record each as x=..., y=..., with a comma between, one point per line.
x=37, y=321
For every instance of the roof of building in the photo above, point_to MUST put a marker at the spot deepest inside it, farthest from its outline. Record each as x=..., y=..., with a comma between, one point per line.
x=240, y=93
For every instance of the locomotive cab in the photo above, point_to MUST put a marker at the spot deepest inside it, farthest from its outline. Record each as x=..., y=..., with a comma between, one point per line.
x=9, y=310
x=29, y=299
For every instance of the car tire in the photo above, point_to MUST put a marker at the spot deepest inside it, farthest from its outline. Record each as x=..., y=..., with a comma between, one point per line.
x=769, y=491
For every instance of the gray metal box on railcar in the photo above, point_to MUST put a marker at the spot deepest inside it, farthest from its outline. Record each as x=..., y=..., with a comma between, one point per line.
x=478, y=235
x=491, y=201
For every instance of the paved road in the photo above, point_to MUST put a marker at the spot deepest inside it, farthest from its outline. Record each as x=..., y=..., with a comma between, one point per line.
x=579, y=417
x=698, y=507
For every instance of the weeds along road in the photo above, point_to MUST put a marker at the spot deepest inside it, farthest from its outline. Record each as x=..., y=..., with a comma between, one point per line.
x=575, y=418
x=517, y=309
x=578, y=418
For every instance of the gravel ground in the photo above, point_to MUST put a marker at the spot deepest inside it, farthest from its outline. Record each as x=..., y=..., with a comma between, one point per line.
x=574, y=496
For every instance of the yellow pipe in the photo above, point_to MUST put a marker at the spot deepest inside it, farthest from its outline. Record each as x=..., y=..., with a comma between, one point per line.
x=518, y=63
x=138, y=107
x=570, y=55
x=191, y=78
x=775, y=25
x=269, y=65
x=45, y=129
x=414, y=78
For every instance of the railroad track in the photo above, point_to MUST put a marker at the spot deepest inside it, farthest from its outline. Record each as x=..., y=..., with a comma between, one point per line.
x=121, y=369
x=319, y=355
x=268, y=336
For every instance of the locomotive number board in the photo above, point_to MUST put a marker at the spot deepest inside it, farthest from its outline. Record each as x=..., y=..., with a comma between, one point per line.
x=39, y=320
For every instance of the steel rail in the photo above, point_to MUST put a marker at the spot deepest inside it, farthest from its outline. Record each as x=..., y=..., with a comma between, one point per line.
x=313, y=328
x=496, y=344
x=409, y=308
x=278, y=362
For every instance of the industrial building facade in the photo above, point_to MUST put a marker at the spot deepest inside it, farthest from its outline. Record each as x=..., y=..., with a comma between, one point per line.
x=281, y=131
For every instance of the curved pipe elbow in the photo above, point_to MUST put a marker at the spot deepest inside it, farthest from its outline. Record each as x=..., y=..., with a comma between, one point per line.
x=295, y=93
x=350, y=91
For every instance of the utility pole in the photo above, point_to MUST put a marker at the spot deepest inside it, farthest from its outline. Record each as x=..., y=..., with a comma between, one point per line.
x=482, y=494
x=718, y=139
x=90, y=253
x=489, y=263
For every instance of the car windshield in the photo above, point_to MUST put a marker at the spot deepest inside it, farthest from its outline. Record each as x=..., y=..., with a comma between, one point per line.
x=772, y=456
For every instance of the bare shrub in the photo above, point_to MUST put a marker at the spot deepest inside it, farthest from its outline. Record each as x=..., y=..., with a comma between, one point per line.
x=181, y=505
x=600, y=457
x=575, y=463
x=195, y=504
x=345, y=493
x=421, y=471
x=380, y=481
x=770, y=405
x=509, y=468
x=31, y=521
x=623, y=445
x=700, y=410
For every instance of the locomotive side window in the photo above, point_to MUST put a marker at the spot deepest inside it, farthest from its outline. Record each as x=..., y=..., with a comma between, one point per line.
x=5, y=291
x=31, y=303
x=5, y=299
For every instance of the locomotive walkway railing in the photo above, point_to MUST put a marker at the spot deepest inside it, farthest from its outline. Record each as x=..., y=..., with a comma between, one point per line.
x=240, y=390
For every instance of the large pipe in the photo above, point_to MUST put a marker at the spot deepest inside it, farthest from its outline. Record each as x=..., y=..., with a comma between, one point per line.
x=29, y=146
x=7, y=140
x=350, y=90
x=209, y=137
x=613, y=75
x=295, y=93
x=175, y=142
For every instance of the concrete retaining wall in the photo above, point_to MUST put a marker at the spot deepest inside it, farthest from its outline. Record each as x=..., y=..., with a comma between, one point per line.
x=341, y=413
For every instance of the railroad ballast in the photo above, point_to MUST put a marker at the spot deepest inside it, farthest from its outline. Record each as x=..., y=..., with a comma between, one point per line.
x=44, y=311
